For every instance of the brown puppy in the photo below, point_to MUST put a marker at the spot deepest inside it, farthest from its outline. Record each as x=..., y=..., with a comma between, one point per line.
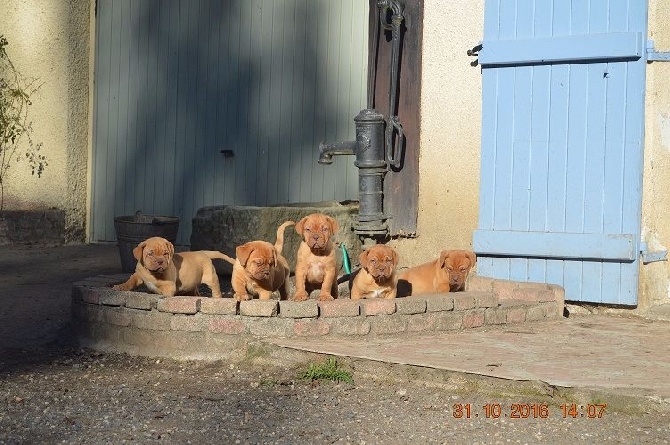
x=315, y=261
x=377, y=277
x=168, y=273
x=260, y=269
x=445, y=274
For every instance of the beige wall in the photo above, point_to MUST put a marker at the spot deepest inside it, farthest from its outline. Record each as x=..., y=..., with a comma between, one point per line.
x=655, y=277
x=450, y=130
x=49, y=40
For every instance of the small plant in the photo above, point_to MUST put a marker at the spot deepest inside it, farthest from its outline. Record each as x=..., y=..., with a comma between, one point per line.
x=329, y=370
x=15, y=94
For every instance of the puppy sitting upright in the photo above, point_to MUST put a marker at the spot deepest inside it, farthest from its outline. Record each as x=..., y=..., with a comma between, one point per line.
x=376, y=277
x=316, y=264
x=445, y=274
x=260, y=268
x=168, y=273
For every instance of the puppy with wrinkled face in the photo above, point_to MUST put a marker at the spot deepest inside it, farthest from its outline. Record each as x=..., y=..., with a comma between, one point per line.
x=316, y=263
x=445, y=274
x=260, y=269
x=377, y=276
x=168, y=273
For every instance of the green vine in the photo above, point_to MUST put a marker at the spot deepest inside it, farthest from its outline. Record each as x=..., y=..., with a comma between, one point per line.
x=15, y=94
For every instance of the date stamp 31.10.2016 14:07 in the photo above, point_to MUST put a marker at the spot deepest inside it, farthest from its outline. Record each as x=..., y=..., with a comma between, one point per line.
x=495, y=410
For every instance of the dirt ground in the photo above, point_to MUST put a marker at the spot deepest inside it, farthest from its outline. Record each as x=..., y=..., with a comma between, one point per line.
x=51, y=391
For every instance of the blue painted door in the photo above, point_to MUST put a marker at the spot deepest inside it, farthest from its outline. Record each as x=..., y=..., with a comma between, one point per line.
x=562, y=140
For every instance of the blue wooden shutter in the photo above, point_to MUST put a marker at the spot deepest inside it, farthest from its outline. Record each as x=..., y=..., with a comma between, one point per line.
x=562, y=138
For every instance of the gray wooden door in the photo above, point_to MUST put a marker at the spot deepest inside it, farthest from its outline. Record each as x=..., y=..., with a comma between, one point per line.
x=562, y=140
x=209, y=102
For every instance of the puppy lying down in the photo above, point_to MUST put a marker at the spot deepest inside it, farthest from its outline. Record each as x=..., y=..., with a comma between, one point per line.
x=447, y=273
x=168, y=273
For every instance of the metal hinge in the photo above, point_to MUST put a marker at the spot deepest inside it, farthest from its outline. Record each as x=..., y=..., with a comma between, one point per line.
x=652, y=257
x=656, y=56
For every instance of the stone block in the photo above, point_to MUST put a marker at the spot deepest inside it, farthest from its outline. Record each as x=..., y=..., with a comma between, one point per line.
x=435, y=321
x=299, y=309
x=464, y=301
x=153, y=320
x=559, y=297
x=222, y=325
x=377, y=306
x=191, y=323
x=259, y=308
x=179, y=305
x=495, y=315
x=112, y=298
x=473, y=319
x=140, y=300
x=535, y=313
x=448, y=321
x=504, y=289
x=90, y=295
x=339, y=308
x=410, y=305
x=475, y=283
x=270, y=327
x=311, y=328
x=388, y=324
x=117, y=317
x=439, y=302
x=484, y=299
x=516, y=314
x=349, y=326
x=219, y=306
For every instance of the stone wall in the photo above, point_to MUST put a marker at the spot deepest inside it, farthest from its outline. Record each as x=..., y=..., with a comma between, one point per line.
x=206, y=328
x=44, y=227
x=223, y=228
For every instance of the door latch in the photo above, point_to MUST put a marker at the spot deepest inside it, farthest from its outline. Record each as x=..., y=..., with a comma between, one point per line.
x=656, y=56
x=474, y=52
x=652, y=257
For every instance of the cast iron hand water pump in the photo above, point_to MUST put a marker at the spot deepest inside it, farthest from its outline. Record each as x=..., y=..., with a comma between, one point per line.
x=376, y=148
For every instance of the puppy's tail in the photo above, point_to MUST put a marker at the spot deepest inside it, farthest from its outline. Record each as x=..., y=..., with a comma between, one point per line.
x=279, y=244
x=216, y=255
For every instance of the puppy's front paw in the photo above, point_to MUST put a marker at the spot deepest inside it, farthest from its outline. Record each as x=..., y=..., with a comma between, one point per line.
x=300, y=296
x=242, y=297
x=323, y=296
x=119, y=287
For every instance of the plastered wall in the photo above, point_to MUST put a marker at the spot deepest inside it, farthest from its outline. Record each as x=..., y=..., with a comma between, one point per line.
x=450, y=130
x=655, y=277
x=49, y=41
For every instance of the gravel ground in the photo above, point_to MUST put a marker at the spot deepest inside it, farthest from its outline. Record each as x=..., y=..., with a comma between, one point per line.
x=53, y=392
x=82, y=396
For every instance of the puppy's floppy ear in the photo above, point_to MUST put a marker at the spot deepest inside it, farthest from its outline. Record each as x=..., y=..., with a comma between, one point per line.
x=472, y=257
x=334, y=226
x=300, y=225
x=137, y=251
x=396, y=257
x=444, y=256
x=363, y=258
x=243, y=253
x=169, y=248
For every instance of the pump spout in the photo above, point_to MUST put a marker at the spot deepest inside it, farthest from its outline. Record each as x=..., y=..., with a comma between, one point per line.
x=327, y=151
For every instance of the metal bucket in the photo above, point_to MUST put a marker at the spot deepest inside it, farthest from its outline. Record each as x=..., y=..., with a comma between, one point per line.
x=132, y=230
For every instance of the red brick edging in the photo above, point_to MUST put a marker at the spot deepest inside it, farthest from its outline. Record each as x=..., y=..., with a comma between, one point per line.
x=201, y=327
